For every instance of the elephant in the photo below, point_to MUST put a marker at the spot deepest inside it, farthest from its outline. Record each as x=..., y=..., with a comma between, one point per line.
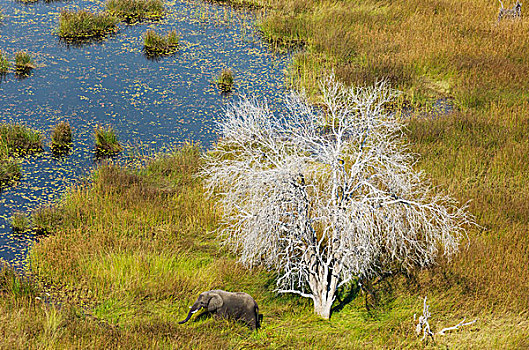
x=238, y=306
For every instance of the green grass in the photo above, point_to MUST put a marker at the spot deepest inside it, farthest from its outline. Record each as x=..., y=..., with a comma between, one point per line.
x=83, y=24
x=106, y=141
x=128, y=254
x=61, y=137
x=225, y=80
x=156, y=44
x=136, y=10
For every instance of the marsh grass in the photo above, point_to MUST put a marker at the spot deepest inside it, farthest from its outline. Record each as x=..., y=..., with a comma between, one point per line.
x=136, y=246
x=225, y=80
x=136, y=10
x=4, y=63
x=61, y=138
x=156, y=44
x=19, y=140
x=106, y=141
x=431, y=50
x=23, y=63
x=82, y=24
x=20, y=222
x=9, y=170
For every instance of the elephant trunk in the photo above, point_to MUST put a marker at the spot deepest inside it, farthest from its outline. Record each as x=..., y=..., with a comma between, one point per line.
x=193, y=309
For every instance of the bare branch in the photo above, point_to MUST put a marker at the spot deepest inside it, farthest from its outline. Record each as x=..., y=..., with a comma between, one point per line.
x=457, y=326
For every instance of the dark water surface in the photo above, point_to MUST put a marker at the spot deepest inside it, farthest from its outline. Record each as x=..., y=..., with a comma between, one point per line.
x=154, y=103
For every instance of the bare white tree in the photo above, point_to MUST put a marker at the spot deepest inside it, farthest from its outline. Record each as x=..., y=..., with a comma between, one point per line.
x=326, y=195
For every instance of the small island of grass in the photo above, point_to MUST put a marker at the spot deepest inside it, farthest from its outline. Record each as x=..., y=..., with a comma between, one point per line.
x=106, y=142
x=225, y=80
x=23, y=63
x=156, y=44
x=4, y=64
x=84, y=24
x=136, y=10
x=15, y=140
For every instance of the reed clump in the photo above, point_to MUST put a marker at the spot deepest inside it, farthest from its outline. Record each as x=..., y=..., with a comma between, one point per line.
x=19, y=140
x=136, y=10
x=20, y=222
x=84, y=24
x=61, y=137
x=23, y=63
x=156, y=44
x=106, y=141
x=4, y=64
x=9, y=170
x=225, y=80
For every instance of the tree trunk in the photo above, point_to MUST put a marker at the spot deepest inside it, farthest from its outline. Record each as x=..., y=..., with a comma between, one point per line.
x=323, y=293
x=323, y=308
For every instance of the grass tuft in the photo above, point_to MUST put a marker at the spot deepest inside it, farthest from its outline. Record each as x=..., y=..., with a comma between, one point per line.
x=106, y=141
x=156, y=44
x=20, y=222
x=225, y=80
x=83, y=24
x=61, y=137
x=23, y=63
x=19, y=140
x=136, y=10
x=4, y=64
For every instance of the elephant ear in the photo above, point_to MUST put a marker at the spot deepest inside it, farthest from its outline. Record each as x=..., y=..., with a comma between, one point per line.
x=214, y=302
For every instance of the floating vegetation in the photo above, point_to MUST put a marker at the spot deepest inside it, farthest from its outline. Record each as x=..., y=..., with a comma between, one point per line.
x=84, y=24
x=20, y=222
x=4, y=63
x=106, y=142
x=225, y=80
x=23, y=63
x=61, y=137
x=19, y=140
x=136, y=10
x=156, y=44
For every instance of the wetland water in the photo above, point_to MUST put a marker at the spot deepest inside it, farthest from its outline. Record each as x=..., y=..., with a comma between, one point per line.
x=158, y=103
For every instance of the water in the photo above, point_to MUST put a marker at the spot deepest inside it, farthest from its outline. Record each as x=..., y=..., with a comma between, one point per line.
x=156, y=103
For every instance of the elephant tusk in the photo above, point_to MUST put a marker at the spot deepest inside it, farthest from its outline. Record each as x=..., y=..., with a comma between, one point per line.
x=192, y=312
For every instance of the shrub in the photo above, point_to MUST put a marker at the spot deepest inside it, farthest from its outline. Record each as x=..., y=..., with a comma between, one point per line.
x=20, y=222
x=61, y=136
x=225, y=80
x=157, y=44
x=84, y=24
x=4, y=64
x=23, y=62
x=106, y=142
x=136, y=10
